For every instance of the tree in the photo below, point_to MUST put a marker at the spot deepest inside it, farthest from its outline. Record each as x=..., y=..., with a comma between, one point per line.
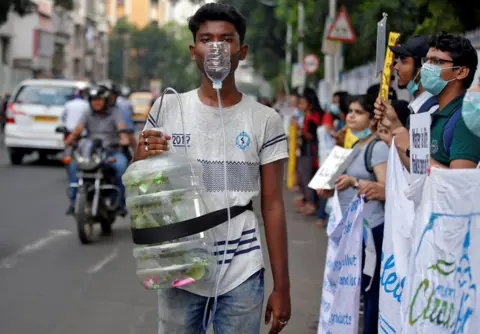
x=23, y=7
x=154, y=53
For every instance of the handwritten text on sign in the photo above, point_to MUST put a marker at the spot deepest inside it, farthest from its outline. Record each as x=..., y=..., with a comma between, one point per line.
x=337, y=162
x=419, y=143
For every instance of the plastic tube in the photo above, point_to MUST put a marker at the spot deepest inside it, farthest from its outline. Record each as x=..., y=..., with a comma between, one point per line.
x=207, y=324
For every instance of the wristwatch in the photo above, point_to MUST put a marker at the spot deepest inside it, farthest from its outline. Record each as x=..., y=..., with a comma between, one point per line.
x=356, y=184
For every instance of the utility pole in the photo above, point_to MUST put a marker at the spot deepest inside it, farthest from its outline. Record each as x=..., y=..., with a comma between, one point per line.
x=288, y=57
x=301, y=21
x=126, y=56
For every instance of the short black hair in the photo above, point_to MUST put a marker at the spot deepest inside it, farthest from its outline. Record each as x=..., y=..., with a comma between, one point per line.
x=374, y=90
x=218, y=12
x=365, y=101
x=344, y=99
x=402, y=110
x=461, y=51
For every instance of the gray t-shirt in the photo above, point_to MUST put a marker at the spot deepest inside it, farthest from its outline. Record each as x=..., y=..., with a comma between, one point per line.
x=357, y=169
x=104, y=126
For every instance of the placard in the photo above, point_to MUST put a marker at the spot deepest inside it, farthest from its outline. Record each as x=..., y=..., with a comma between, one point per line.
x=337, y=162
x=419, y=144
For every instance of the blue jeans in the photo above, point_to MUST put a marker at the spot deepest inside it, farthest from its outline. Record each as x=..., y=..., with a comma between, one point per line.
x=321, y=213
x=238, y=311
x=120, y=166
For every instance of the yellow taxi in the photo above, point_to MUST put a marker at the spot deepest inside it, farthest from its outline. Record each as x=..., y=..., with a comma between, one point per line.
x=141, y=105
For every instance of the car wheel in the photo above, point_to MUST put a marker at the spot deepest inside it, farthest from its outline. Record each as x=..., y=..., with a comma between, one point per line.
x=16, y=157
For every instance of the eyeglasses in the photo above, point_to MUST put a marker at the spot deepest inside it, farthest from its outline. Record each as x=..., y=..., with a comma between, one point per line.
x=436, y=61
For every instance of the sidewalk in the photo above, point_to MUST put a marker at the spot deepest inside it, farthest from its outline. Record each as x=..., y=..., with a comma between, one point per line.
x=307, y=250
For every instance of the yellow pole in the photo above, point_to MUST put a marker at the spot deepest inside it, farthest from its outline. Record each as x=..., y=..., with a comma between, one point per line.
x=292, y=156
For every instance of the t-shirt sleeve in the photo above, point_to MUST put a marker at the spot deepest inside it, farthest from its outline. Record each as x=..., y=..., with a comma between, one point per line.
x=274, y=146
x=118, y=117
x=153, y=115
x=327, y=119
x=379, y=153
x=465, y=145
x=83, y=119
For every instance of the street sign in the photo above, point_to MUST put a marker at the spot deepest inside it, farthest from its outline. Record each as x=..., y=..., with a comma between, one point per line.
x=298, y=76
x=329, y=47
x=341, y=29
x=311, y=62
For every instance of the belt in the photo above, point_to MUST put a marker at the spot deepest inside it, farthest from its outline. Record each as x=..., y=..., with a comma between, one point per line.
x=153, y=235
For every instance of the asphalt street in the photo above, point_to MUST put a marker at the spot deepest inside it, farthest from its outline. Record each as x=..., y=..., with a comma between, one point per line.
x=51, y=284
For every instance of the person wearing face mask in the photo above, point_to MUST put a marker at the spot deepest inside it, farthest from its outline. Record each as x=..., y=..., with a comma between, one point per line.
x=447, y=71
x=471, y=109
x=256, y=147
x=369, y=166
x=408, y=67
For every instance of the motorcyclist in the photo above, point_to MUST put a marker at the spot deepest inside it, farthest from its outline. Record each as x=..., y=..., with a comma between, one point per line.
x=105, y=123
x=121, y=102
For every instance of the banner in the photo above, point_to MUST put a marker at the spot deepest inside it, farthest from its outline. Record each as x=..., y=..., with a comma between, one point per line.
x=444, y=270
x=339, y=306
x=397, y=242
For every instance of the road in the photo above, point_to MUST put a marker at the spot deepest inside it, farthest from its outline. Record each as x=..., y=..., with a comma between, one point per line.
x=51, y=284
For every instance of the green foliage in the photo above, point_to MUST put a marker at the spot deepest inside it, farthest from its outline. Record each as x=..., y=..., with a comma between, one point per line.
x=155, y=53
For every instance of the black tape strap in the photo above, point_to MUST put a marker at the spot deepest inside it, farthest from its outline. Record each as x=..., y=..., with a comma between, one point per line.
x=153, y=235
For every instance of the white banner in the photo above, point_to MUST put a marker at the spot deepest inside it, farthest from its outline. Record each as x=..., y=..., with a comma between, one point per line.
x=397, y=242
x=343, y=269
x=444, y=266
x=420, y=144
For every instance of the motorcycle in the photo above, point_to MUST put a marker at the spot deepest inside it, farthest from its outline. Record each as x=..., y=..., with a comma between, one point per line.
x=98, y=198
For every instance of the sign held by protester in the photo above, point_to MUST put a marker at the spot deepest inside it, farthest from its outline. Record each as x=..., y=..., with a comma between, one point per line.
x=337, y=162
x=393, y=39
x=444, y=273
x=420, y=144
x=343, y=268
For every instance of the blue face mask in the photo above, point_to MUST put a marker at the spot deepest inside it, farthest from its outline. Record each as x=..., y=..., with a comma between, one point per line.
x=413, y=85
x=334, y=109
x=362, y=134
x=431, y=80
x=471, y=112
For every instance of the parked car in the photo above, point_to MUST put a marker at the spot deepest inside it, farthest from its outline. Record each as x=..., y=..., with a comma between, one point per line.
x=141, y=105
x=34, y=111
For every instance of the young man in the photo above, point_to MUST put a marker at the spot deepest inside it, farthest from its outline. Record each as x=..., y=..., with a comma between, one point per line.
x=447, y=72
x=108, y=125
x=408, y=68
x=256, y=149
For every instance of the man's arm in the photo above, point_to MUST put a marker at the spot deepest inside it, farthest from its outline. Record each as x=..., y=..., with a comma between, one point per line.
x=76, y=132
x=273, y=211
x=402, y=142
x=124, y=136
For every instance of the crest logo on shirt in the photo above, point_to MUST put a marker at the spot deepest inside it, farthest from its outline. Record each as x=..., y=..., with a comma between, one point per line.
x=434, y=147
x=243, y=140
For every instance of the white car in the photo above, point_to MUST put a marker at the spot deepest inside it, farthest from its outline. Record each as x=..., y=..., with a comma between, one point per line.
x=34, y=111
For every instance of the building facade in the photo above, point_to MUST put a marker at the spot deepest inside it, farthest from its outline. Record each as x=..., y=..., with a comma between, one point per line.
x=145, y=12
x=56, y=43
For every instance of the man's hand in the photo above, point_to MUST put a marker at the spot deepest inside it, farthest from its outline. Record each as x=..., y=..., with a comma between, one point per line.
x=325, y=193
x=151, y=142
x=344, y=182
x=372, y=190
x=386, y=115
x=280, y=306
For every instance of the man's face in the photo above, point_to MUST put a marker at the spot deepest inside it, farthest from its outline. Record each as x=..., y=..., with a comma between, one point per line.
x=405, y=67
x=218, y=31
x=450, y=72
x=98, y=104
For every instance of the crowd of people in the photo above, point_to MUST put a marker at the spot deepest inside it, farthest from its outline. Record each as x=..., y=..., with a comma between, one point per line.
x=437, y=72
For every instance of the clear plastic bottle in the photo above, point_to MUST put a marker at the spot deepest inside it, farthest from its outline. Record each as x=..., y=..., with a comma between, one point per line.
x=217, y=62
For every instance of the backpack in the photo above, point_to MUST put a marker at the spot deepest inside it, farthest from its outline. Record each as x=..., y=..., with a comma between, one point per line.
x=432, y=101
x=449, y=129
x=368, y=154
